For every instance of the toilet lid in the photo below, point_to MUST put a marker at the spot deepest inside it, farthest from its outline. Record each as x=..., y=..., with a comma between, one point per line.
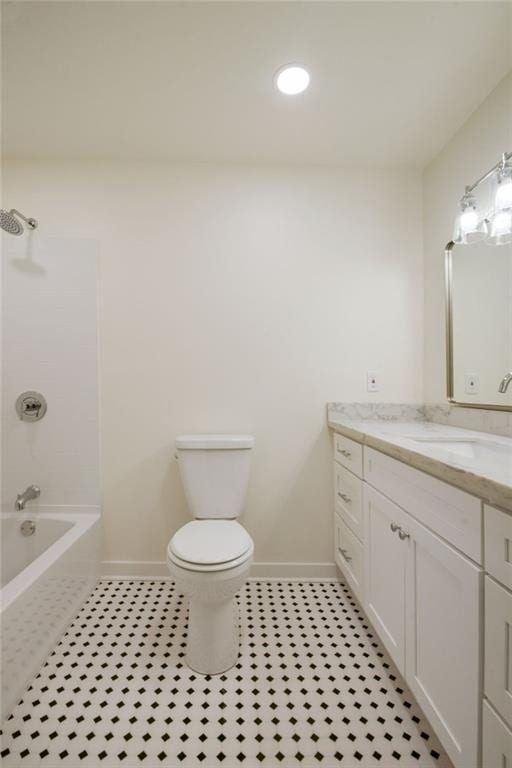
x=208, y=542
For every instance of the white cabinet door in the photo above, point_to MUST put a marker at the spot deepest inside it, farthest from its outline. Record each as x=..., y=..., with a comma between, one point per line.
x=443, y=665
x=497, y=741
x=385, y=553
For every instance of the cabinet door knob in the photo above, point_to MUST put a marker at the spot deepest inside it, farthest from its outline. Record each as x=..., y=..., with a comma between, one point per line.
x=345, y=453
x=394, y=527
x=345, y=555
x=403, y=535
x=345, y=498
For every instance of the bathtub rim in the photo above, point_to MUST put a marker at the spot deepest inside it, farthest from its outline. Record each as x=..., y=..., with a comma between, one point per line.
x=81, y=522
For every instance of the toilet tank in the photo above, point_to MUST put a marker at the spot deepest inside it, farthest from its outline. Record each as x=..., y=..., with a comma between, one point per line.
x=214, y=471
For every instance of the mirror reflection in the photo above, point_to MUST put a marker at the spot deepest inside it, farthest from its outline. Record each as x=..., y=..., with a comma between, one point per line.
x=479, y=286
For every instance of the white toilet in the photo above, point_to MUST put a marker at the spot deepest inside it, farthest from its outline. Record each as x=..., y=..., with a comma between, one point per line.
x=210, y=557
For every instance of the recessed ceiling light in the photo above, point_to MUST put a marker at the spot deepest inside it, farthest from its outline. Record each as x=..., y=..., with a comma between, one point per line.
x=292, y=79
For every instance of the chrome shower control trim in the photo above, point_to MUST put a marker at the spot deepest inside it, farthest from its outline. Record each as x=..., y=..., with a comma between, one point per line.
x=31, y=406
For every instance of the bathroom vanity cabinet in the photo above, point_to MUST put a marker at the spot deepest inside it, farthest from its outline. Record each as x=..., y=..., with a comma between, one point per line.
x=424, y=558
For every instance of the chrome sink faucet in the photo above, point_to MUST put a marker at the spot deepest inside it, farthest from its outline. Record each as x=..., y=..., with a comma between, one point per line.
x=505, y=382
x=30, y=493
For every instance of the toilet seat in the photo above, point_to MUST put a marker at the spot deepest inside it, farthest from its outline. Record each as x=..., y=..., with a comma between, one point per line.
x=210, y=545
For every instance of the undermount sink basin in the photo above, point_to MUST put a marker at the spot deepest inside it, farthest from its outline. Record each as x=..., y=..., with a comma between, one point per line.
x=471, y=448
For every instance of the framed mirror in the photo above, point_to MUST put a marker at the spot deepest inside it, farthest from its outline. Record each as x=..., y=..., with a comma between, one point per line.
x=479, y=325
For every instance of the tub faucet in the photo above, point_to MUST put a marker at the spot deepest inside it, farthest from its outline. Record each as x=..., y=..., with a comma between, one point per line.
x=505, y=382
x=32, y=492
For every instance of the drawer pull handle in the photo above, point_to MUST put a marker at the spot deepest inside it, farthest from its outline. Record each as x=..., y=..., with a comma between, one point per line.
x=345, y=555
x=394, y=527
x=345, y=498
x=403, y=535
x=345, y=453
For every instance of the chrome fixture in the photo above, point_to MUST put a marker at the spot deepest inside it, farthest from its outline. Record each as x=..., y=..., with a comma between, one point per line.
x=9, y=221
x=505, y=382
x=28, y=527
x=398, y=529
x=495, y=225
x=29, y=494
x=31, y=406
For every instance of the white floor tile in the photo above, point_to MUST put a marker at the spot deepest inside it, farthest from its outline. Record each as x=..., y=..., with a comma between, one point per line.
x=312, y=687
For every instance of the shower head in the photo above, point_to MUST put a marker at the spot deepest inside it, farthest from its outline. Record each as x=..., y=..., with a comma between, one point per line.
x=9, y=222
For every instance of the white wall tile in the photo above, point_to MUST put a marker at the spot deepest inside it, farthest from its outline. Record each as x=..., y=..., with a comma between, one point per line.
x=50, y=345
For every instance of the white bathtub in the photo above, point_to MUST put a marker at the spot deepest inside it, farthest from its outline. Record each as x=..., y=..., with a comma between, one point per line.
x=46, y=577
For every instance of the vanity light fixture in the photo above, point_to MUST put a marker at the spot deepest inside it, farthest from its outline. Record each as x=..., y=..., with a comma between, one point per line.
x=469, y=227
x=503, y=186
x=292, y=79
x=501, y=227
x=495, y=227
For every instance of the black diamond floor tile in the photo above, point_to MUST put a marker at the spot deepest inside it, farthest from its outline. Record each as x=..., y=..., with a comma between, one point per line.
x=312, y=687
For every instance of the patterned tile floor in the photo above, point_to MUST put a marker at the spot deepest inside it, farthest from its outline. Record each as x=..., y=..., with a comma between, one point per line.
x=313, y=687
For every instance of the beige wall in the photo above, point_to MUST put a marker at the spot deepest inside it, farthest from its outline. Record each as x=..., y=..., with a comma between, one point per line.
x=471, y=152
x=237, y=299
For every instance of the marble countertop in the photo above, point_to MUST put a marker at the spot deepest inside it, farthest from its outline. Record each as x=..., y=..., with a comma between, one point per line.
x=477, y=462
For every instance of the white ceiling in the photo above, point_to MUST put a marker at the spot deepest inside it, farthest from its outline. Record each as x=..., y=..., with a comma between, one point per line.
x=390, y=82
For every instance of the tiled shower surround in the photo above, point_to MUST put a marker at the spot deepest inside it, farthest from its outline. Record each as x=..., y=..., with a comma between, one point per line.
x=312, y=687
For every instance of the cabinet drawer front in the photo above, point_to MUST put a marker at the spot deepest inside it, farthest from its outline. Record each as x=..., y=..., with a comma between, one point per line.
x=498, y=545
x=348, y=554
x=453, y=514
x=497, y=741
x=348, y=497
x=498, y=648
x=349, y=453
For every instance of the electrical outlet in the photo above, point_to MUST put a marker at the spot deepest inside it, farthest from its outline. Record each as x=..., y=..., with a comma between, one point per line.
x=372, y=381
x=470, y=384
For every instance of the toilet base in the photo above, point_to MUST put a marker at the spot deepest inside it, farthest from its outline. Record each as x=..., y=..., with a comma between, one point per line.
x=213, y=636
x=213, y=631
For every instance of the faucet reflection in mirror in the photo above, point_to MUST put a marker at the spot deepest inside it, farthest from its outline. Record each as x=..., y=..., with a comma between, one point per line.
x=505, y=382
x=495, y=226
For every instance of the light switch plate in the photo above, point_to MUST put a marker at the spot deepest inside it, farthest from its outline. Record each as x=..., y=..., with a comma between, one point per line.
x=471, y=384
x=372, y=381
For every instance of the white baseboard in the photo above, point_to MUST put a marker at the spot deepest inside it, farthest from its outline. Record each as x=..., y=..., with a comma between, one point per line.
x=291, y=571
x=157, y=570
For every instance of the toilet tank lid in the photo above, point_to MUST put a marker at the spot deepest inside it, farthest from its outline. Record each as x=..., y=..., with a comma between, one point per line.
x=214, y=442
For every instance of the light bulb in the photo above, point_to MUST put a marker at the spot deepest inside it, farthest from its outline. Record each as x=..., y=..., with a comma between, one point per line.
x=468, y=226
x=501, y=223
x=501, y=228
x=292, y=79
x=468, y=220
x=503, y=198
